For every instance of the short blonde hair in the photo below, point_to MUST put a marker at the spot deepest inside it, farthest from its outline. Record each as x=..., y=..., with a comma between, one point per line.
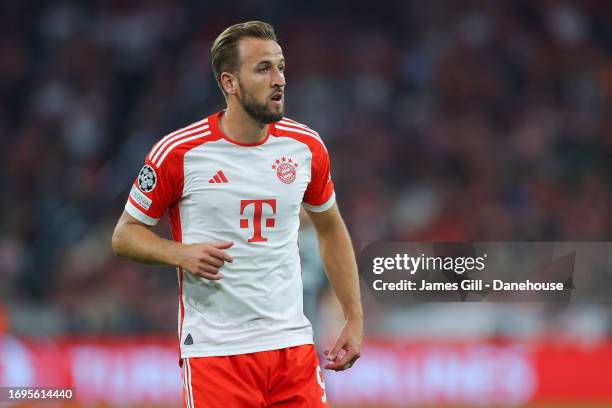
x=224, y=51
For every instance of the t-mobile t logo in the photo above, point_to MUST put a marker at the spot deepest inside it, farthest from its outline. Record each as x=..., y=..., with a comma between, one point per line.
x=257, y=213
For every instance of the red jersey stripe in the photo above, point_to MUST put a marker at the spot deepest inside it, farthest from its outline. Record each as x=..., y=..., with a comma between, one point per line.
x=202, y=133
x=178, y=136
x=292, y=123
x=176, y=132
x=301, y=131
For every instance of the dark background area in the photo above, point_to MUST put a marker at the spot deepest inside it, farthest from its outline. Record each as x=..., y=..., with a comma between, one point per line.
x=447, y=121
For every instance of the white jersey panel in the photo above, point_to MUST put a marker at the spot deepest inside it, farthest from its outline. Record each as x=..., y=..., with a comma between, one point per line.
x=258, y=304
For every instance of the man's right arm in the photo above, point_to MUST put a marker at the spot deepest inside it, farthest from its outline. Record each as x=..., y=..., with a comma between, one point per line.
x=134, y=240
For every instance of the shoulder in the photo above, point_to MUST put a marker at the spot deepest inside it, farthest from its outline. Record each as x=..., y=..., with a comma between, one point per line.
x=175, y=144
x=290, y=128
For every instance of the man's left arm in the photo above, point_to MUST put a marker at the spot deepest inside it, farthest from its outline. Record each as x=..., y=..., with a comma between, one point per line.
x=341, y=269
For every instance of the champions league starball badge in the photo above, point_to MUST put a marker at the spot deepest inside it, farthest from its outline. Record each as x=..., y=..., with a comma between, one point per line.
x=147, y=179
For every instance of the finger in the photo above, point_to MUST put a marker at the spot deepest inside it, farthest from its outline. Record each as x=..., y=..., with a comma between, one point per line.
x=336, y=365
x=338, y=362
x=208, y=269
x=211, y=260
x=345, y=362
x=207, y=273
x=222, y=245
x=333, y=353
x=210, y=276
x=342, y=368
x=326, y=353
x=349, y=357
x=217, y=253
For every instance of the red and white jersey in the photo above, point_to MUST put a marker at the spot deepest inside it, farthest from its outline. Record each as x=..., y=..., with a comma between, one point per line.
x=216, y=189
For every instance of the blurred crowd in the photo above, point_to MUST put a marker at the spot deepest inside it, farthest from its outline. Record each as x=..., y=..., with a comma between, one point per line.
x=447, y=121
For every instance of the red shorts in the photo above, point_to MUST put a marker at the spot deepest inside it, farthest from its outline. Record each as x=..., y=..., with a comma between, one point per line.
x=289, y=377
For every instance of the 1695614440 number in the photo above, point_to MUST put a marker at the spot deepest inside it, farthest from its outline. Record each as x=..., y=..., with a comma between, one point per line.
x=13, y=394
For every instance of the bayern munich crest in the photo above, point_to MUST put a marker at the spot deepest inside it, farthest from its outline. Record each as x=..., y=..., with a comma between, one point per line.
x=285, y=169
x=147, y=179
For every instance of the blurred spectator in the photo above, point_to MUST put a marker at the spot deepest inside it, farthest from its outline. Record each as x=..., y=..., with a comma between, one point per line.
x=4, y=323
x=314, y=281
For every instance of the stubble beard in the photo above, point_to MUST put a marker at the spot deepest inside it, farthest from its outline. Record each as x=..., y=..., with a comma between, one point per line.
x=258, y=111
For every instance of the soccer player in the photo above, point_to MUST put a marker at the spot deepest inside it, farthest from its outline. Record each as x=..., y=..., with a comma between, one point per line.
x=233, y=184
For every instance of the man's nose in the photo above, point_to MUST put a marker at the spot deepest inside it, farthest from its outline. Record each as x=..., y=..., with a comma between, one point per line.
x=278, y=79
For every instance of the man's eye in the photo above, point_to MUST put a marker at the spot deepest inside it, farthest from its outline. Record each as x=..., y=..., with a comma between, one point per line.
x=281, y=68
x=263, y=69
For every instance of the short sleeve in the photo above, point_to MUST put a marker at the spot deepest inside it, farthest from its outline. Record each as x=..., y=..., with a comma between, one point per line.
x=154, y=190
x=319, y=195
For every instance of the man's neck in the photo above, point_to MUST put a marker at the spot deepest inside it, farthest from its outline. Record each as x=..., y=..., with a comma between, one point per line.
x=238, y=126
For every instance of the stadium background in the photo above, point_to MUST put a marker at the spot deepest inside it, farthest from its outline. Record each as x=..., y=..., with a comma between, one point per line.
x=447, y=121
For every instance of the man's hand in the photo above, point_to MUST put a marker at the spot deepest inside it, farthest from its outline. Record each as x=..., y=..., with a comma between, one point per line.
x=135, y=240
x=205, y=259
x=347, y=348
x=341, y=269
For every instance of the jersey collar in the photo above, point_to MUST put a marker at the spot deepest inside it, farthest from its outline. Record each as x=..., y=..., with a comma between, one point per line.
x=213, y=121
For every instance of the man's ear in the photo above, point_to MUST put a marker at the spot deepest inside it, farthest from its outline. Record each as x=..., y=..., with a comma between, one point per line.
x=229, y=82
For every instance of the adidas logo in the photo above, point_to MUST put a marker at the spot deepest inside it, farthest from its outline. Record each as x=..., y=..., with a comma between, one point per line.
x=188, y=340
x=219, y=178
